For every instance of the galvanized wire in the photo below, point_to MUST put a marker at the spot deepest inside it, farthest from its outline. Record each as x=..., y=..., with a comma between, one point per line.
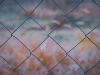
x=48, y=36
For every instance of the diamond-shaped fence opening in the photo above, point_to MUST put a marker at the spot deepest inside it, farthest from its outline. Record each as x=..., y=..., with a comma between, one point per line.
x=10, y=12
x=47, y=56
x=86, y=16
x=66, y=38
x=90, y=51
x=35, y=64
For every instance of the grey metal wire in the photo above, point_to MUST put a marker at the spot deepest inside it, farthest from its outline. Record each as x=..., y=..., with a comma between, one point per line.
x=48, y=36
x=1, y=1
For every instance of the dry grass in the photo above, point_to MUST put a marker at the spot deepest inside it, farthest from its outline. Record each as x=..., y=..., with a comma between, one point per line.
x=86, y=54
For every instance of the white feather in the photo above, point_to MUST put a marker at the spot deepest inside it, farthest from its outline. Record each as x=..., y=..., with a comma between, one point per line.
x=45, y=33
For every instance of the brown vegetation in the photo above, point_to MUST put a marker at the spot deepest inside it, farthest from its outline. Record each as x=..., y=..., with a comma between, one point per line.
x=86, y=54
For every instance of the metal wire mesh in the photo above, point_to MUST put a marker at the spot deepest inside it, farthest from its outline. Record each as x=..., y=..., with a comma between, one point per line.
x=48, y=36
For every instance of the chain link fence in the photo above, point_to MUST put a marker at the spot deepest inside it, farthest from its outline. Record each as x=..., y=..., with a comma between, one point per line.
x=48, y=36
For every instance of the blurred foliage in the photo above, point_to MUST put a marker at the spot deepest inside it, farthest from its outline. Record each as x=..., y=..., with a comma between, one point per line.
x=86, y=54
x=14, y=15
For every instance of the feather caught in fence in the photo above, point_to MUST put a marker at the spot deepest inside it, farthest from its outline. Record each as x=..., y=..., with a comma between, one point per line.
x=44, y=34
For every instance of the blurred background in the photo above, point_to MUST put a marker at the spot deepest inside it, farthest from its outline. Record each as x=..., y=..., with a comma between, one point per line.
x=67, y=34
